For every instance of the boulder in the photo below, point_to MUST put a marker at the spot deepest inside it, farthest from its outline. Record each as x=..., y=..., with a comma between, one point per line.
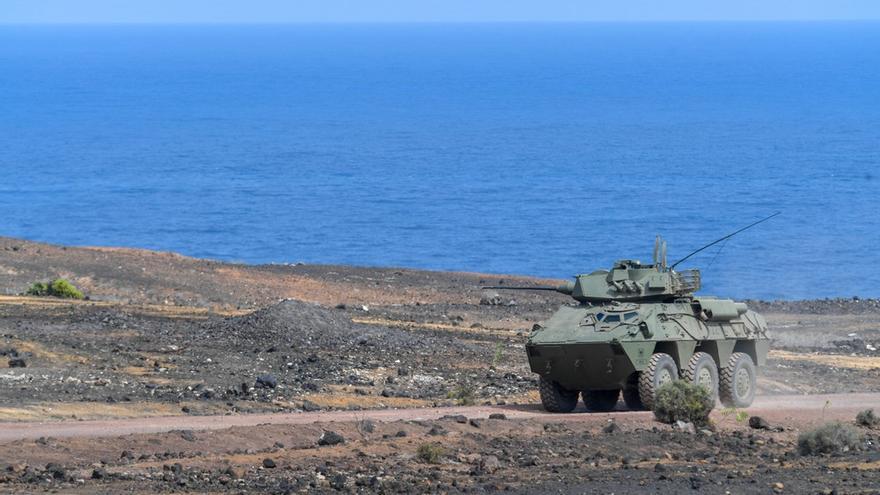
x=759, y=423
x=489, y=464
x=491, y=299
x=266, y=381
x=331, y=438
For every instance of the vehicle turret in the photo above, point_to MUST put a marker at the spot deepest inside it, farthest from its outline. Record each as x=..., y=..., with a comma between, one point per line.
x=629, y=281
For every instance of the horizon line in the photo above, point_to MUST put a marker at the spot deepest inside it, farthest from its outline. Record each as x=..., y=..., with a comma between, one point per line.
x=417, y=22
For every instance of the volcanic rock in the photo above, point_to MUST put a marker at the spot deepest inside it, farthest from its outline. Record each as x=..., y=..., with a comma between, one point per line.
x=331, y=438
x=759, y=423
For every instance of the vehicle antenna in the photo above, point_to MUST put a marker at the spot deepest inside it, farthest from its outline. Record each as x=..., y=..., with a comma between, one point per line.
x=720, y=248
x=728, y=236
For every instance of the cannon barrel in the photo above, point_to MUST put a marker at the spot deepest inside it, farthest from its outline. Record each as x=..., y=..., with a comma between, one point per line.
x=567, y=288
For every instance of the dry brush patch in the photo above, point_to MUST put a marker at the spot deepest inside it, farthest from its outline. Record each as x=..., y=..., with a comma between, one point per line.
x=830, y=438
x=680, y=400
x=51, y=411
x=868, y=419
x=867, y=363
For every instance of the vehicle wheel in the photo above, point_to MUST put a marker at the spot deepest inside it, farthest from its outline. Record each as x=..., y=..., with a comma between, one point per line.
x=702, y=370
x=600, y=400
x=738, y=381
x=660, y=371
x=631, y=394
x=555, y=398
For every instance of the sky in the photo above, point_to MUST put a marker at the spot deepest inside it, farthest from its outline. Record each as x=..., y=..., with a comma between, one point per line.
x=308, y=11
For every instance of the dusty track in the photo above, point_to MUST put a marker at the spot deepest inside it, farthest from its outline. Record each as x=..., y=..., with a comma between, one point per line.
x=796, y=408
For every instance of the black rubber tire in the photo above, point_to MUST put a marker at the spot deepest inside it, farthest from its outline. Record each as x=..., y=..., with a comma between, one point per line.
x=739, y=373
x=600, y=400
x=660, y=370
x=631, y=394
x=700, y=367
x=556, y=399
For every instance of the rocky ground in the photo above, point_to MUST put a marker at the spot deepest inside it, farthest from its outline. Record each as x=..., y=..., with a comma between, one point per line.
x=455, y=454
x=90, y=359
x=163, y=334
x=291, y=355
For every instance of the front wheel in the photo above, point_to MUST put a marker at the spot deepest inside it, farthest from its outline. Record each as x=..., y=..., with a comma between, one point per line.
x=660, y=371
x=556, y=399
x=600, y=400
x=738, y=381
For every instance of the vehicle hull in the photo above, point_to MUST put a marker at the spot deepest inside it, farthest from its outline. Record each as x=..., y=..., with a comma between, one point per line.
x=593, y=347
x=582, y=366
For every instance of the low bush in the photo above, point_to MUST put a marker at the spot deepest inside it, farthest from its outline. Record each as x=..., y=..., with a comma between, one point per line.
x=63, y=288
x=431, y=453
x=683, y=401
x=868, y=419
x=830, y=438
x=464, y=395
x=56, y=288
x=39, y=289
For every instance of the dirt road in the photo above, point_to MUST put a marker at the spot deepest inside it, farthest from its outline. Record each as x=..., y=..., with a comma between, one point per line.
x=791, y=407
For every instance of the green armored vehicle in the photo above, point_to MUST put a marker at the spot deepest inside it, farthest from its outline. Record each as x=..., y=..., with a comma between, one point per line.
x=636, y=327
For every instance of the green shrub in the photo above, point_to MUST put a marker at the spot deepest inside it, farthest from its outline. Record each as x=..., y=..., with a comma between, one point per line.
x=830, y=438
x=683, y=401
x=463, y=395
x=39, y=289
x=868, y=419
x=431, y=453
x=63, y=288
x=57, y=288
x=498, y=355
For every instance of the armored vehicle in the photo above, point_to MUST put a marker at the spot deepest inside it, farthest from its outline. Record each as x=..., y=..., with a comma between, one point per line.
x=637, y=326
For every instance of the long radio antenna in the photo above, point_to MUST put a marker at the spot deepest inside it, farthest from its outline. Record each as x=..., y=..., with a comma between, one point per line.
x=728, y=236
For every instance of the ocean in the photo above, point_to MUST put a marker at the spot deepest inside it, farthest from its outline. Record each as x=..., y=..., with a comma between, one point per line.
x=539, y=149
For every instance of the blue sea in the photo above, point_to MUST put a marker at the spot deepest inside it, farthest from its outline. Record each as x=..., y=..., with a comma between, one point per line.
x=540, y=149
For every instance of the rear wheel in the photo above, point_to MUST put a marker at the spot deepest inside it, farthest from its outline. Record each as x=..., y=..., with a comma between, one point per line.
x=600, y=400
x=631, y=394
x=702, y=370
x=555, y=398
x=738, y=381
x=660, y=371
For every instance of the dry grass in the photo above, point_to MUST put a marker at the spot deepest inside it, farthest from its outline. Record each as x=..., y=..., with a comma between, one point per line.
x=163, y=310
x=138, y=370
x=86, y=411
x=861, y=466
x=833, y=360
x=39, y=352
x=530, y=397
x=409, y=325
